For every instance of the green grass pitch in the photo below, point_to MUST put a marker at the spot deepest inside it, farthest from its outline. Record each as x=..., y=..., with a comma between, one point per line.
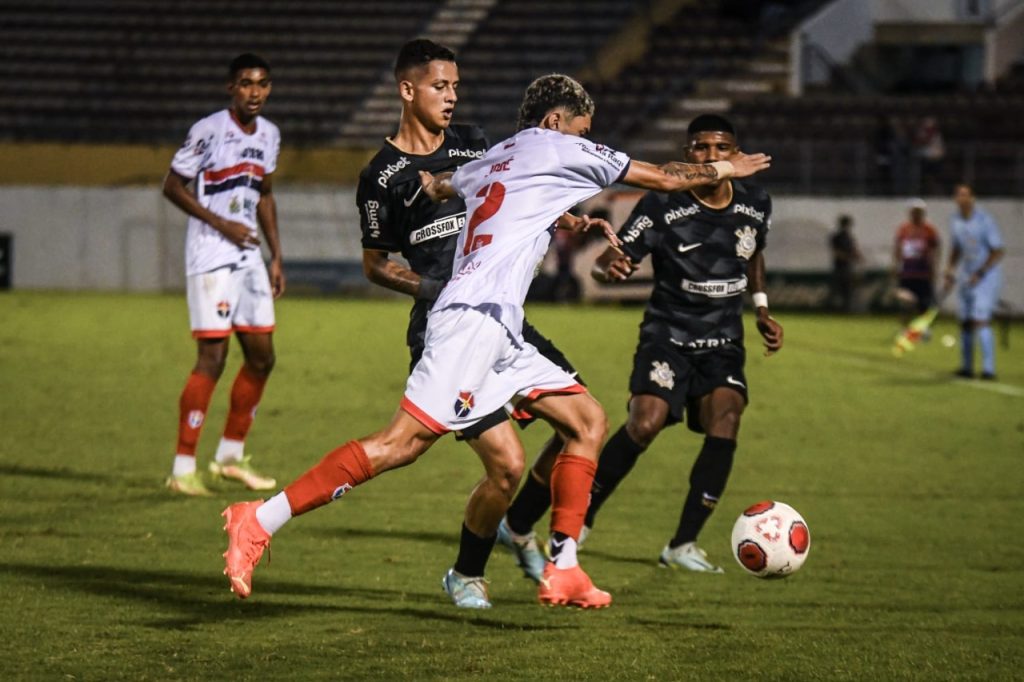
x=911, y=484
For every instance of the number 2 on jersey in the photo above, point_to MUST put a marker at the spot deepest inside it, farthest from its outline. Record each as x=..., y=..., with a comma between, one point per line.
x=495, y=195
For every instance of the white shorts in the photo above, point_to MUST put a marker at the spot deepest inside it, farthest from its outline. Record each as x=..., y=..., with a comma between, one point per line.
x=471, y=367
x=230, y=300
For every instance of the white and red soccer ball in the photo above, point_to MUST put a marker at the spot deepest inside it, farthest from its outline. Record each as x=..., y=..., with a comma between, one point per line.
x=770, y=540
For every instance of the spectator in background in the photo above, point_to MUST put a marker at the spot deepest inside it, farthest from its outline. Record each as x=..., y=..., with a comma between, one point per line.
x=930, y=152
x=915, y=256
x=892, y=153
x=845, y=257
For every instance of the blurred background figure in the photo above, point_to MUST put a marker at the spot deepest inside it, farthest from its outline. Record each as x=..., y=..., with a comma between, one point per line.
x=845, y=258
x=929, y=151
x=977, y=248
x=915, y=256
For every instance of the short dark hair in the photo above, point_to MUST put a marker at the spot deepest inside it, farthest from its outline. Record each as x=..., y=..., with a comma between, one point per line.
x=710, y=123
x=549, y=92
x=845, y=221
x=247, y=60
x=420, y=52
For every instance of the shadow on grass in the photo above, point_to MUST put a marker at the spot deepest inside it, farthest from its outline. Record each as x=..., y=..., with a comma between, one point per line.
x=201, y=599
x=450, y=538
x=59, y=474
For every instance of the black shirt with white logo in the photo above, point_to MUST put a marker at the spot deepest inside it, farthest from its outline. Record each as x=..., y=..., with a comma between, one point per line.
x=396, y=216
x=700, y=257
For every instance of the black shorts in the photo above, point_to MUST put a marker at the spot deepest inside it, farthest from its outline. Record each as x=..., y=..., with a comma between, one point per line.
x=546, y=348
x=922, y=289
x=681, y=379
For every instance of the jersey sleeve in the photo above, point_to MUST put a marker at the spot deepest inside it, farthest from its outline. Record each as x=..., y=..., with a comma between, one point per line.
x=275, y=148
x=993, y=239
x=194, y=155
x=762, y=235
x=639, y=234
x=374, y=217
x=583, y=162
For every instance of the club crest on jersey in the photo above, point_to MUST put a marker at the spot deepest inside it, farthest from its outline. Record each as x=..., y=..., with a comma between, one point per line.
x=234, y=206
x=195, y=418
x=464, y=404
x=223, y=310
x=746, y=242
x=663, y=375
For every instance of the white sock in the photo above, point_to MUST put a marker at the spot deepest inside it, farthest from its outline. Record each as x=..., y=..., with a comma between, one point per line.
x=565, y=554
x=274, y=513
x=230, y=451
x=183, y=464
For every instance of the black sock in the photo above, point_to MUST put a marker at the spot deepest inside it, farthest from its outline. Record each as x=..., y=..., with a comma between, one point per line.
x=473, y=553
x=707, y=482
x=616, y=461
x=529, y=506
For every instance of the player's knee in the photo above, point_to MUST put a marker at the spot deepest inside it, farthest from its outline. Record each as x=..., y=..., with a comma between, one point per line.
x=211, y=365
x=725, y=423
x=644, y=428
x=506, y=477
x=262, y=364
x=592, y=426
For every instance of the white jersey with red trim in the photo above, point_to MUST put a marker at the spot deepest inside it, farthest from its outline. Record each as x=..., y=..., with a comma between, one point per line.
x=228, y=166
x=514, y=195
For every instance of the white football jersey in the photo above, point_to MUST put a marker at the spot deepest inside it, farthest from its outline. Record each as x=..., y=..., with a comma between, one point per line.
x=514, y=195
x=228, y=166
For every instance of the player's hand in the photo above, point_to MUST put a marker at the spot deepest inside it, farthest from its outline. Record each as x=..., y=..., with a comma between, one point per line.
x=276, y=278
x=238, y=234
x=771, y=332
x=748, y=164
x=586, y=223
x=435, y=187
x=620, y=269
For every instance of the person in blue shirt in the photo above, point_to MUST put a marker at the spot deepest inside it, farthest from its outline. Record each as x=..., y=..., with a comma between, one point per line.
x=977, y=248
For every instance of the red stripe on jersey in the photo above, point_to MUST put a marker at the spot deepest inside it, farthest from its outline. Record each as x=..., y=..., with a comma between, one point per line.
x=422, y=417
x=241, y=169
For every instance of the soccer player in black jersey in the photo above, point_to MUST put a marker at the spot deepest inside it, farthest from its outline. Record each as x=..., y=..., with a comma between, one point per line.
x=707, y=249
x=397, y=217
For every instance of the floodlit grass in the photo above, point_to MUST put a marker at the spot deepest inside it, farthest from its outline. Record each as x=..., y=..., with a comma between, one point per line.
x=911, y=484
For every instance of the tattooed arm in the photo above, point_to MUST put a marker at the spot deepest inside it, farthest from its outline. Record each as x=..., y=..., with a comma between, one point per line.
x=675, y=176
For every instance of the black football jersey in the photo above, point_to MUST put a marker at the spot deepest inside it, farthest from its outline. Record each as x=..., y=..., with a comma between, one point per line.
x=700, y=257
x=396, y=216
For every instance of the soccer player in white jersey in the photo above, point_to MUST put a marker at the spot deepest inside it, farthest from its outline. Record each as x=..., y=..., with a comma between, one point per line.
x=229, y=157
x=475, y=359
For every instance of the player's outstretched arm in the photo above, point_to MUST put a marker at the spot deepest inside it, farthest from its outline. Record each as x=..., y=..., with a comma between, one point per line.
x=675, y=176
x=176, y=189
x=438, y=187
x=382, y=271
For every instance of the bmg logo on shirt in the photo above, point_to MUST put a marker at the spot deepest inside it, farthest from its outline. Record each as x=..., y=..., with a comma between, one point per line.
x=637, y=228
x=372, y=219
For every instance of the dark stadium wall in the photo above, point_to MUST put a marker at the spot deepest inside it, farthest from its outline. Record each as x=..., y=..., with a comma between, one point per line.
x=93, y=165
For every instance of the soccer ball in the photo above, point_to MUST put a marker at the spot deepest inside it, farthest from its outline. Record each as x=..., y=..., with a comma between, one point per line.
x=770, y=540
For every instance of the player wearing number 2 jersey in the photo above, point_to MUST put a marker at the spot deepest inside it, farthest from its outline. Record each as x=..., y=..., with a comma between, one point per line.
x=475, y=357
x=396, y=216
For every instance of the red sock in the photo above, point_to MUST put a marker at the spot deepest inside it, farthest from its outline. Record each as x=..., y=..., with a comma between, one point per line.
x=192, y=411
x=245, y=397
x=338, y=472
x=571, y=478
